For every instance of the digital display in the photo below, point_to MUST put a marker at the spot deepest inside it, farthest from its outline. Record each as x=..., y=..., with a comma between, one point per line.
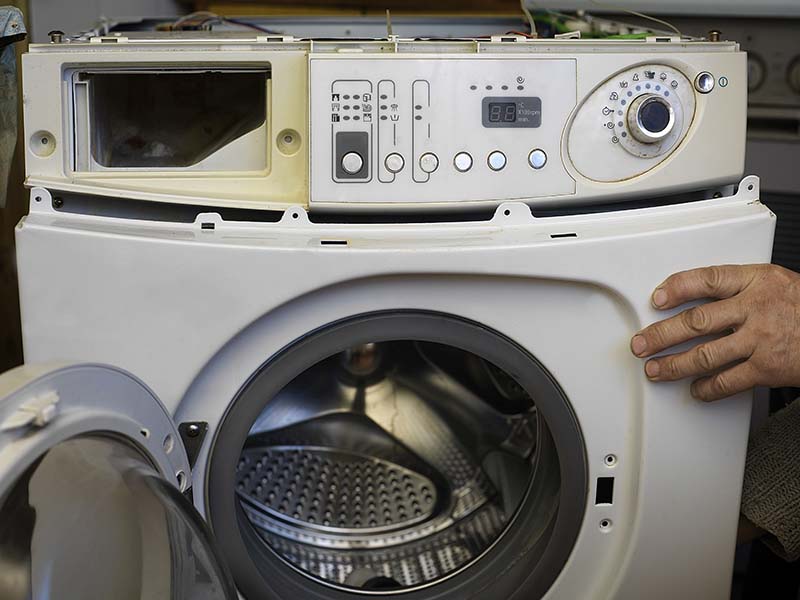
x=511, y=111
x=502, y=112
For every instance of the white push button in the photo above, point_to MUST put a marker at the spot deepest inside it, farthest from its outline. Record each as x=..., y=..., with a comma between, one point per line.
x=428, y=162
x=537, y=158
x=704, y=82
x=394, y=163
x=462, y=162
x=352, y=162
x=496, y=160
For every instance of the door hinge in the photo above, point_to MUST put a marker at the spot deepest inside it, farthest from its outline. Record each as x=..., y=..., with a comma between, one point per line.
x=36, y=412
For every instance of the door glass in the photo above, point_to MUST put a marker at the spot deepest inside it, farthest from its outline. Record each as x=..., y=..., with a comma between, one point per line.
x=92, y=519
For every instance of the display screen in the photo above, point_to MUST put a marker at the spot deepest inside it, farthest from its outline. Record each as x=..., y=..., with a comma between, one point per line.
x=511, y=111
x=502, y=112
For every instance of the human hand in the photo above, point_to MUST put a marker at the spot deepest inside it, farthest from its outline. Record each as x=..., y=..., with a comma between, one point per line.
x=757, y=307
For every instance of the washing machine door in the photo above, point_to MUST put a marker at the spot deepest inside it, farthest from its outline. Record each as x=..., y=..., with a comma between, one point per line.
x=91, y=474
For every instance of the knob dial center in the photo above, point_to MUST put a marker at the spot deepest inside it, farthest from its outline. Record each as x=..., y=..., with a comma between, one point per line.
x=650, y=118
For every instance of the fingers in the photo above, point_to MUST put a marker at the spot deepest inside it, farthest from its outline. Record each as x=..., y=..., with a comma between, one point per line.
x=708, y=282
x=714, y=317
x=739, y=378
x=700, y=360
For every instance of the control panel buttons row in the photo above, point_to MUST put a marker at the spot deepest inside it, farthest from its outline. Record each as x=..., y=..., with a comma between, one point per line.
x=429, y=162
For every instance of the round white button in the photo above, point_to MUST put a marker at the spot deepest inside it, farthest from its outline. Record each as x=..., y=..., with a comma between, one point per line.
x=537, y=158
x=428, y=162
x=704, y=82
x=462, y=162
x=496, y=160
x=352, y=162
x=394, y=163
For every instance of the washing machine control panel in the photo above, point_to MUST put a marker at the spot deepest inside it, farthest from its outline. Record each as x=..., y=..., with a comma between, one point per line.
x=409, y=131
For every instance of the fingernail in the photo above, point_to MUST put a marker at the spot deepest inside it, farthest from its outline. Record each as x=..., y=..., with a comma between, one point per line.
x=638, y=344
x=652, y=368
x=659, y=297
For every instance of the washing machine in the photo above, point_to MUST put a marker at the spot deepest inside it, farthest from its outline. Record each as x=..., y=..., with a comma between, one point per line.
x=341, y=319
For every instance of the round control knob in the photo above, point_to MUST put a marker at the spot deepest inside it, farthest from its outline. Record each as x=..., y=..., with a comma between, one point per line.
x=650, y=118
x=429, y=162
x=793, y=75
x=462, y=162
x=352, y=163
x=537, y=158
x=756, y=72
x=496, y=160
x=394, y=163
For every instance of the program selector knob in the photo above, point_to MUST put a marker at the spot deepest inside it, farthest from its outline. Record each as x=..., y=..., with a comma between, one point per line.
x=650, y=118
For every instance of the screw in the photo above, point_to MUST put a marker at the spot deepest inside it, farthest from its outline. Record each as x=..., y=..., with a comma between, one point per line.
x=58, y=202
x=193, y=430
x=714, y=35
x=56, y=36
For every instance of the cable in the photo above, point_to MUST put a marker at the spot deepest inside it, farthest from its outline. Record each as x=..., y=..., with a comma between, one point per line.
x=638, y=14
x=529, y=17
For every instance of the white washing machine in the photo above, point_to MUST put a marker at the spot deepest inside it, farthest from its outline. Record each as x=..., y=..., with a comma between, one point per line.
x=379, y=333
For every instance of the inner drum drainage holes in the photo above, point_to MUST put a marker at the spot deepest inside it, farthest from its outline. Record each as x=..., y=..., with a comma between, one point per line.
x=334, y=490
x=350, y=519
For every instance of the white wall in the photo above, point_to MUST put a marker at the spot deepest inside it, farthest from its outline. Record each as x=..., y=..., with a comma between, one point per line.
x=71, y=16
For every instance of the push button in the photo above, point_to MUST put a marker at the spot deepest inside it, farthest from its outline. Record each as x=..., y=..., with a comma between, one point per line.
x=537, y=158
x=429, y=162
x=496, y=160
x=394, y=162
x=462, y=162
x=352, y=162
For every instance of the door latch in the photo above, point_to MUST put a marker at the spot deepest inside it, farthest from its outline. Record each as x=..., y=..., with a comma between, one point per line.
x=36, y=412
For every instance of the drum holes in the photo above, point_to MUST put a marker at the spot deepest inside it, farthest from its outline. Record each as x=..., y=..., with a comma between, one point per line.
x=145, y=432
x=610, y=460
x=169, y=443
x=605, y=525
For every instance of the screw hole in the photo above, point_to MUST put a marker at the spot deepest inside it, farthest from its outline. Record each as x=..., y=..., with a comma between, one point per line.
x=750, y=187
x=605, y=524
x=181, y=476
x=610, y=460
x=145, y=433
x=295, y=215
x=506, y=212
x=38, y=198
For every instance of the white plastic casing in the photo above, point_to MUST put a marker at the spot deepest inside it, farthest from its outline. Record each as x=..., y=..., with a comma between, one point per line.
x=195, y=311
x=561, y=87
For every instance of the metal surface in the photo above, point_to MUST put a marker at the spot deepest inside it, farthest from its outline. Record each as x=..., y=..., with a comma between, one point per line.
x=383, y=448
x=334, y=491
